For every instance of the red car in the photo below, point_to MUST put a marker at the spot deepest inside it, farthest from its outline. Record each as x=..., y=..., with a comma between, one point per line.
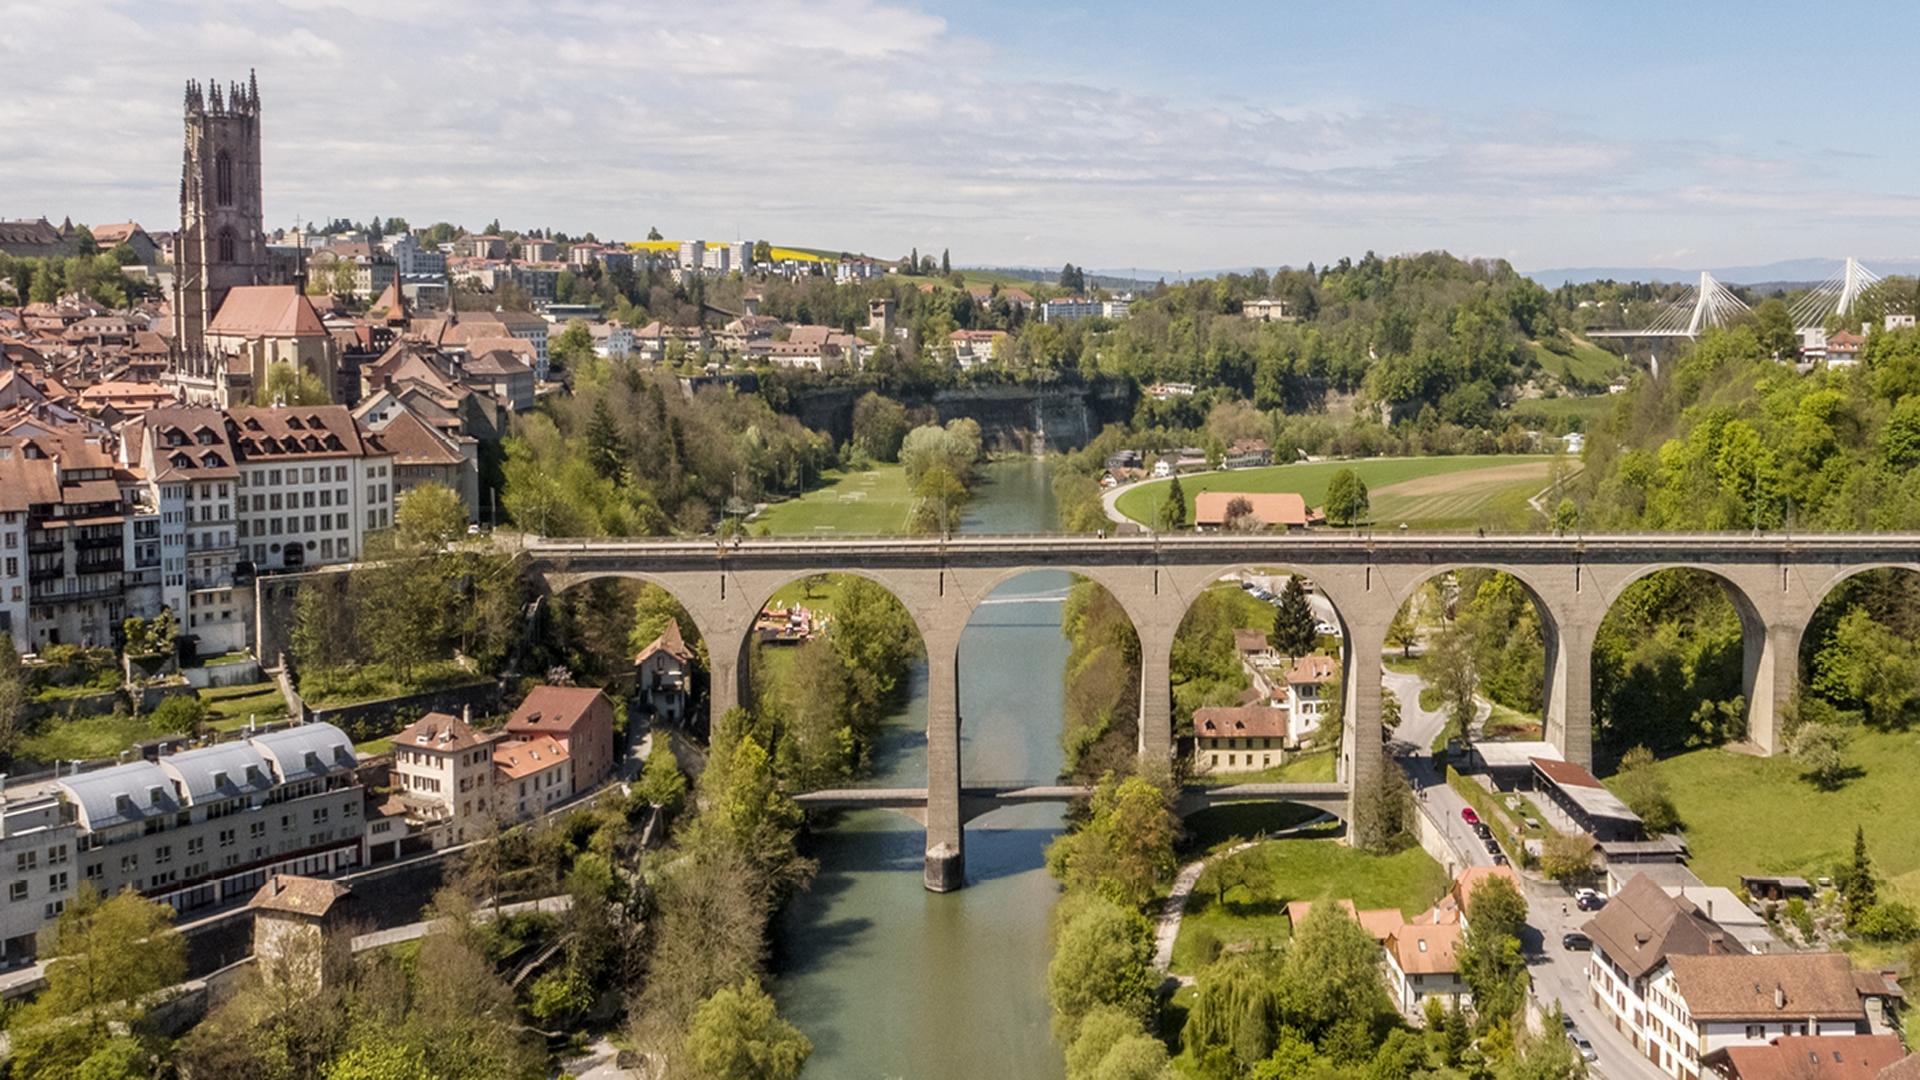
x=1467, y=815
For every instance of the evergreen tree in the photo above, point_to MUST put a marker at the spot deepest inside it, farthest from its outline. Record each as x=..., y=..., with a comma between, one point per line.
x=946, y=264
x=1294, y=628
x=1173, y=510
x=1858, y=889
x=606, y=450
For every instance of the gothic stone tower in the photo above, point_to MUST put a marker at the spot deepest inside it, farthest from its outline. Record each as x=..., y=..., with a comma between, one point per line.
x=220, y=243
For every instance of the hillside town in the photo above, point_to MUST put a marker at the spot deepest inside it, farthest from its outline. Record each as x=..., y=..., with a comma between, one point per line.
x=428, y=652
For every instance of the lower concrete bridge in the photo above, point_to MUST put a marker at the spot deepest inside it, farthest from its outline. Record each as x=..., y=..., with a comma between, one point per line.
x=983, y=798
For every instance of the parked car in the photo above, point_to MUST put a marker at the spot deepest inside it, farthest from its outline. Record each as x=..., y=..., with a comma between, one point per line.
x=1492, y=845
x=1588, y=900
x=1581, y=1044
x=1566, y=1022
x=1467, y=815
x=1499, y=858
x=1574, y=941
x=1482, y=830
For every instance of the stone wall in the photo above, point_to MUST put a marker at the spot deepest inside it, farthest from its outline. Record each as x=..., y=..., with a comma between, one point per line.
x=390, y=714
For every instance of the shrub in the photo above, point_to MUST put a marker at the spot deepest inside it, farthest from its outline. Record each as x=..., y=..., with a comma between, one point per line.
x=1888, y=920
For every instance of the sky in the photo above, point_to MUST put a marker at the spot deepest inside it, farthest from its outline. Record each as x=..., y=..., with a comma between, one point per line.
x=1148, y=135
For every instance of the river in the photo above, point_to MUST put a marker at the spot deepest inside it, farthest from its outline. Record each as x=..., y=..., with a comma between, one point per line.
x=890, y=980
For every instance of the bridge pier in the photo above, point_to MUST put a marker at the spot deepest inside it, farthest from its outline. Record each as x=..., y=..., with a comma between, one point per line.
x=1568, y=716
x=1156, y=688
x=1771, y=673
x=946, y=863
x=1362, y=756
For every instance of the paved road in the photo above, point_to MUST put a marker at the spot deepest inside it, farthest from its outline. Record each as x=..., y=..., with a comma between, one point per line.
x=1558, y=975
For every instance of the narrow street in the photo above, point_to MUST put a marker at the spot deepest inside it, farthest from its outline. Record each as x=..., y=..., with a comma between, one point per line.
x=1558, y=975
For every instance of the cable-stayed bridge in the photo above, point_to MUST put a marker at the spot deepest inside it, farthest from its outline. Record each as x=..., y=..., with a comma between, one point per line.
x=1707, y=303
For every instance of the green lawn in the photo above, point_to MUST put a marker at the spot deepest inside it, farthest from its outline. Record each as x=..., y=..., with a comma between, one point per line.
x=232, y=705
x=855, y=504
x=1546, y=412
x=1300, y=869
x=1589, y=363
x=88, y=737
x=333, y=687
x=1311, y=767
x=1753, y=815
x=1426, y=492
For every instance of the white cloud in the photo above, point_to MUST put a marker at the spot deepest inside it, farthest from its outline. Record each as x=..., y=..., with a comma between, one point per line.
x=864, y=124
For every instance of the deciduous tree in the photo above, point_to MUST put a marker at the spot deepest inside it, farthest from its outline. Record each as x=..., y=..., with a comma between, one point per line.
x=738, y=1032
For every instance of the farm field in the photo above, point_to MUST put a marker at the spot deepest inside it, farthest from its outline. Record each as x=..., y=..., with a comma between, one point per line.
x=1573, y=413
x=1754, y=815
x=1489, y=490
x=851, y=504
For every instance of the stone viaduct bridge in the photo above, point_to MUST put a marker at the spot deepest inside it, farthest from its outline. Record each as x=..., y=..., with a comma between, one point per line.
x=1775, y=581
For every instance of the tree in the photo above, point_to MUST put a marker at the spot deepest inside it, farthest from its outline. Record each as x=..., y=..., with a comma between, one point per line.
x=1112, y=1046
x=738, y=1032
x=1347, y=499
x=1820, y=751
x=1173, y=509
x=378, y=1060
x=879, y=425
x=572, y=346
x=1402, y=633
x=322, y=625
x=1491, y=963
x=1240, y=516
x=1389, y=709
x=290, y=385
x=1645, y=792
x=946, y=264
x=1566, y=856
x=430, y=516
x=661, y=782
x=1125, y=848
x=1859, y=891
x=654, y=233
x=1102, y=955
x=108, y=956
x=939, y=498
x=762, y=253
x=1450, y=668
x=13, y=696
x=1331, y=975
x=1295, y=630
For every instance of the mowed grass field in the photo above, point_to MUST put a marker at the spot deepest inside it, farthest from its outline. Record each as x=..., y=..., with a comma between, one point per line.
x=1425, y=493
x=1754, y=815
x=1543, y=412
x=849, y=504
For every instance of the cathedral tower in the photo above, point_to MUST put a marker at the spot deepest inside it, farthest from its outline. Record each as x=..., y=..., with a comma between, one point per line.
x=220, y=243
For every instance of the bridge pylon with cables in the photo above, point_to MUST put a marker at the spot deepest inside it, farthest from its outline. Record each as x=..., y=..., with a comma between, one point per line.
x=1707, y=303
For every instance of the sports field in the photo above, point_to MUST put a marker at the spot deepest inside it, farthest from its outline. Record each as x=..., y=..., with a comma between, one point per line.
x=1426, y=493
x=848, y=504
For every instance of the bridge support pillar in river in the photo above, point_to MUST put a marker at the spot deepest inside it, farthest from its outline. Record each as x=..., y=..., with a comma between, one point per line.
x=946, y=865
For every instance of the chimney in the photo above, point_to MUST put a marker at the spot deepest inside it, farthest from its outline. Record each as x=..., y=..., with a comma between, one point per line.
x=466, y=714
x=1716, y=944
x=1779, y=996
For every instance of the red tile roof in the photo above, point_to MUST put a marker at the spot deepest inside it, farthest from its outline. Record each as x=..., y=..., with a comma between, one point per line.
x=266, y=311
x=1811, y=1057
x=1282, y=508
x=1234, y=721
x=553, y=709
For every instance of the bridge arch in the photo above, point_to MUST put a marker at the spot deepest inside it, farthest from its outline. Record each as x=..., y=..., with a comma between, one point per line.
x=1841, y=575
x=694, y=625
x=1558, y=682
x=1888, y=594
x=1771, y=621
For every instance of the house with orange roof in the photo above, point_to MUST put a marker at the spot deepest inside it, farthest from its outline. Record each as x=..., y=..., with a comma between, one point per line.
x=663, y=675
x=580, y=719
x=531, y=775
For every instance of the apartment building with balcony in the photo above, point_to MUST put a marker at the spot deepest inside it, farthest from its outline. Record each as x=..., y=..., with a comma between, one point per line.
x=72, y=535
x=193, y=829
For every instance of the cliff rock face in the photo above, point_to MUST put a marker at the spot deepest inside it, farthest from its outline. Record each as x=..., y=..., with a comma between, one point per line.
x=1010, y=417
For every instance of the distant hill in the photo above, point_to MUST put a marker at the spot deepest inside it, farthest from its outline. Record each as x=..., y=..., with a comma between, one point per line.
x=1785, y=273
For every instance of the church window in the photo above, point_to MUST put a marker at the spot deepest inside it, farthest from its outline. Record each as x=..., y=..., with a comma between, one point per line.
x=223, y=178
x=226, y=245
